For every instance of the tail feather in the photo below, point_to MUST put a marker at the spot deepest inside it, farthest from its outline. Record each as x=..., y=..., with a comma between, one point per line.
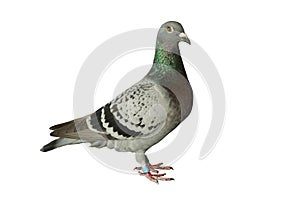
x=59, y=143
x=57, y=126
x=74, y=132
x=69, y=127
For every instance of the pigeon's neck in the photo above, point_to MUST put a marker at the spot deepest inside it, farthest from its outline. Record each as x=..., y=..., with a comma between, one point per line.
x=168, y=61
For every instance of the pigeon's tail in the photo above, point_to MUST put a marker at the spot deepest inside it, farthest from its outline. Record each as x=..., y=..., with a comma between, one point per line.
x=59, y=143
x=75, y=132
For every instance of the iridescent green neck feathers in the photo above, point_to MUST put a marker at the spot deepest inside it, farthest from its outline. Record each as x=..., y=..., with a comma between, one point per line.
x=168, y=62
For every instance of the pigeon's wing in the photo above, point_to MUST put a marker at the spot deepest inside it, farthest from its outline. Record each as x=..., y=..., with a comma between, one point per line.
x=139, y=111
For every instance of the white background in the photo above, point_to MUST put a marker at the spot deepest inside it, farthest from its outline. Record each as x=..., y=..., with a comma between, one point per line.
x=255, y=46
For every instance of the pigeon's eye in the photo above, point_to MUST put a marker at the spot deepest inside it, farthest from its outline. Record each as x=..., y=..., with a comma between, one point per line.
x=170, y=29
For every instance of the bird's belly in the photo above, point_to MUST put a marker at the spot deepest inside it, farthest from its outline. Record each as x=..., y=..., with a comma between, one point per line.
x=133, y=145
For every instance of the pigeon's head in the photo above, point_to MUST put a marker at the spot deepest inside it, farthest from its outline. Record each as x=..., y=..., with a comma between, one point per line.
x=170, y=34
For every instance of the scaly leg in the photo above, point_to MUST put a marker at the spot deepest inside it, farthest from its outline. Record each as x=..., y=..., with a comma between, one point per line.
x=156, y=167
x=147, y=168
x=155, y=177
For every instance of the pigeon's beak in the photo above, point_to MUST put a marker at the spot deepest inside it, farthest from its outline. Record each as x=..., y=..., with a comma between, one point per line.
x=184, y=38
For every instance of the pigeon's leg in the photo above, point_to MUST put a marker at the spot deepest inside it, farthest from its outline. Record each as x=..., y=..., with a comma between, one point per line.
x=144, y=161
x=146, y=169
x=160, y=166
x=155, y=177
x=156, y=167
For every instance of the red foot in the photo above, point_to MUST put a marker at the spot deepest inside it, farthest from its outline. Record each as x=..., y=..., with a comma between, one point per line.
x=156, y=177
x=156, y=167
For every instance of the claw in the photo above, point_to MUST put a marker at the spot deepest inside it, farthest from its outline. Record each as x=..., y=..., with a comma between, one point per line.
x=137, y=168
x=166, y=179
x=156, y=177
x=156, y=167
x=148, y=168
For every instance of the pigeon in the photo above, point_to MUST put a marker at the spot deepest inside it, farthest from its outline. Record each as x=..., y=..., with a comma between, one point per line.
x=143, y=114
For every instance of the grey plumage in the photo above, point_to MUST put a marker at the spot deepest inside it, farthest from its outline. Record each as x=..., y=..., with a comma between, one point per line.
x=143, y=114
